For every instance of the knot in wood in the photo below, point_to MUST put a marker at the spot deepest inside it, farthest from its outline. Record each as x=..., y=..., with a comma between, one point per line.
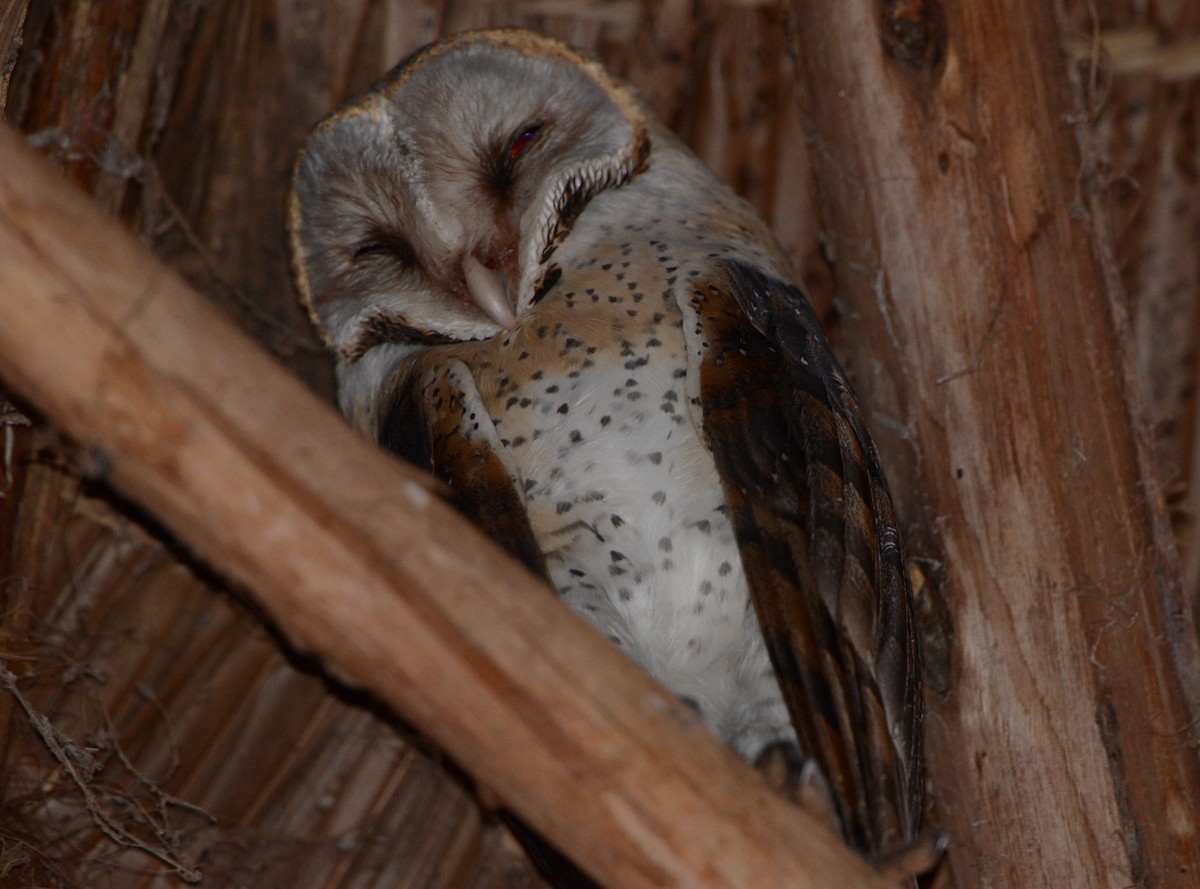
x=914, y=34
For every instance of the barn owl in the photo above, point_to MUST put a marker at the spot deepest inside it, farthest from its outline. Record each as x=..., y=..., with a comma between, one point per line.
x=535, y=291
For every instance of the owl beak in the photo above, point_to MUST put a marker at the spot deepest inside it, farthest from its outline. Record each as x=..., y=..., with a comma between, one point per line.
x=486, y=289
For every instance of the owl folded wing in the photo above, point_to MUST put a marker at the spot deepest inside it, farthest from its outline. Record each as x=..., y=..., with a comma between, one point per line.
x=436, y=420
x=818, y=541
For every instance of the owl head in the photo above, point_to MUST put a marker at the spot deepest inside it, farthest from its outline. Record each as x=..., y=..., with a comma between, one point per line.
x=428, y=210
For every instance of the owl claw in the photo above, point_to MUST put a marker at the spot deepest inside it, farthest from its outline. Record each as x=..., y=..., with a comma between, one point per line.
x=799, y=778
x=487, y=291
x=788, y=771
x=913, y=859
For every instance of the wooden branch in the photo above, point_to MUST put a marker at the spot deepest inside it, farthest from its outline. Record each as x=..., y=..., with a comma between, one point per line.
x=359, y=562
x=989, y=326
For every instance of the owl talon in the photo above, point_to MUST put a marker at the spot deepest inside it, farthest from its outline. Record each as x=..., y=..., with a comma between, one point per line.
x=799, y=779
x=913, y=859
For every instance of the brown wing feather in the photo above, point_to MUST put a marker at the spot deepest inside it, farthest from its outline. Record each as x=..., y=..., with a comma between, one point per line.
x=820, y=547
x=436, y=421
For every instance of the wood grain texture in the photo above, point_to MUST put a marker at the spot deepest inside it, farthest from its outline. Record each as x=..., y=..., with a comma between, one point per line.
x=1133, y=65
x=989, y=328
x=358, y=563
x=248, y=768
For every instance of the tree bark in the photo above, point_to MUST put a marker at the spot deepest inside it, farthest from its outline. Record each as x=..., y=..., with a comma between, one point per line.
x=1141, y=64
x=988, y=326
x=359, y=562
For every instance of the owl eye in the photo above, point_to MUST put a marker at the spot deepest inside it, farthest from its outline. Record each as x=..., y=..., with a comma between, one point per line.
x=386, y=246
x=501, y=171
x=521, y=140
x=369, y=249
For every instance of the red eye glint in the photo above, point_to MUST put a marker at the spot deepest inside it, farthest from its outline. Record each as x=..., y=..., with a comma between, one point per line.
x=521, y=141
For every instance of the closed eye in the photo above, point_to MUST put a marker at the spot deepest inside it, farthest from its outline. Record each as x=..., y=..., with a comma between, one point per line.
x=386, y=246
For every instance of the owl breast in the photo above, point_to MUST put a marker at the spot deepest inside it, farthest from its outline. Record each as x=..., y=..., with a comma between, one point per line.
x=588, y=394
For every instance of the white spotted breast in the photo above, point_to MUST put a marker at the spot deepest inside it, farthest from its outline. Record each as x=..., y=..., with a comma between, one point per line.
x=588, y=394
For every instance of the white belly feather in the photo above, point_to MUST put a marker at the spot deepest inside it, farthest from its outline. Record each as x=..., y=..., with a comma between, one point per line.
x=625, y=501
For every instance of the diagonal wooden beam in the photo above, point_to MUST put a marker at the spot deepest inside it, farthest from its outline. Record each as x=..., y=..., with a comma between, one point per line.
x=359, y=561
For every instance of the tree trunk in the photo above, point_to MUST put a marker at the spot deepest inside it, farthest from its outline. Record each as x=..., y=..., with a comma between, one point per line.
x=989, y=328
